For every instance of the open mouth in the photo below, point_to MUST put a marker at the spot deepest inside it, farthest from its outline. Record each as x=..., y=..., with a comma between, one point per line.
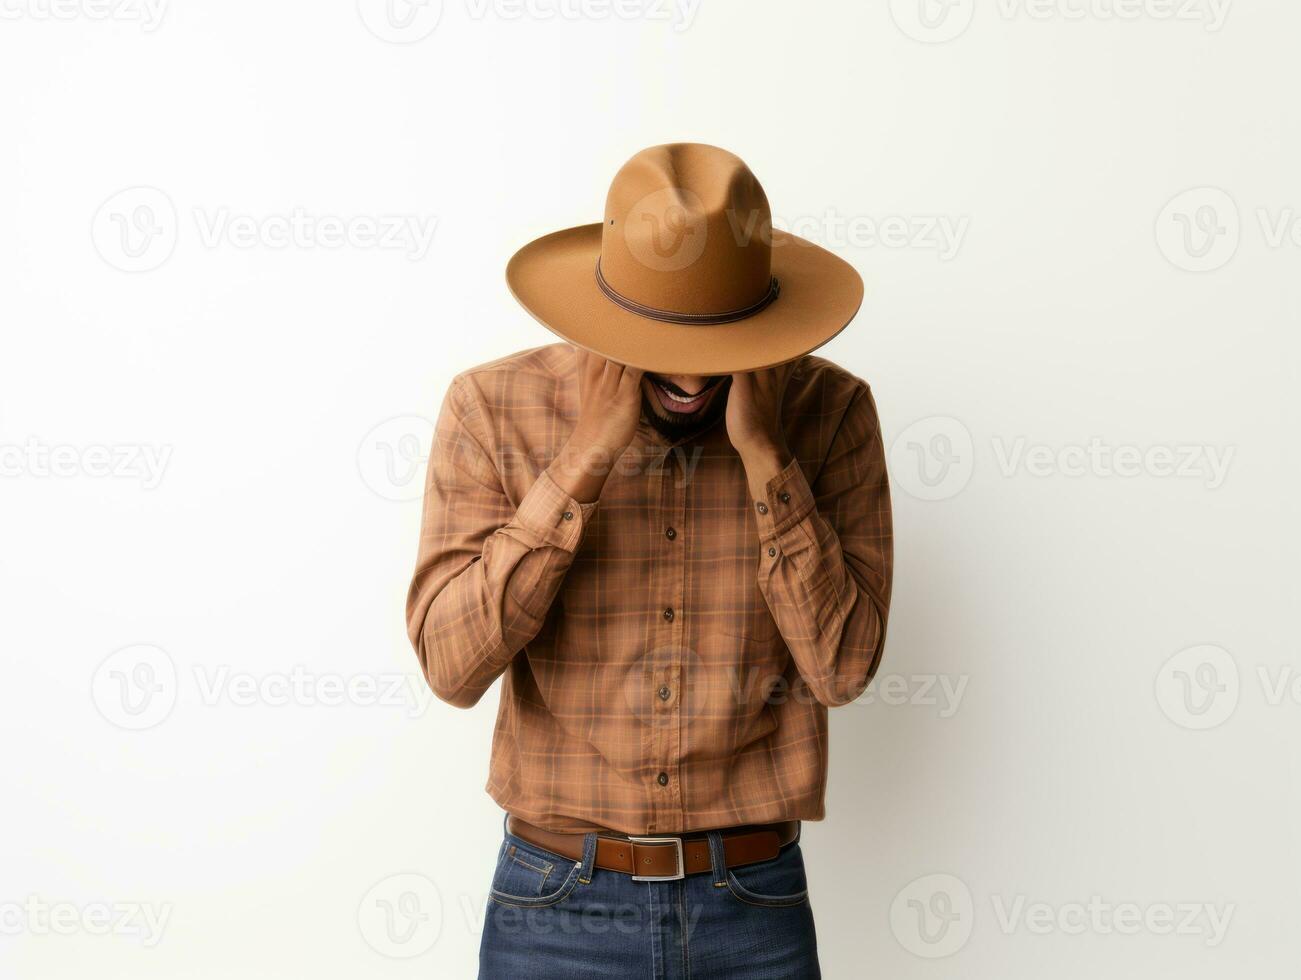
x=679, y=402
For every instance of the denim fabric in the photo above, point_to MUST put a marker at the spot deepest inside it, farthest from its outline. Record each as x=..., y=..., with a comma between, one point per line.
x=552, y=918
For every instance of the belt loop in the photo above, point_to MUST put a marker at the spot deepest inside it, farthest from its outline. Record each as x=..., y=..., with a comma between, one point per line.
x=589, y=858
x=717, y=859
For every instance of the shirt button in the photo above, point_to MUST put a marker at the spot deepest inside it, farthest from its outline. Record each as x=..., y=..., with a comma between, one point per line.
x=662, y=779
x=670, y=533
x=772, y=552
x=668, y=614
x=664, y=692
x=763, y=508
x=568, y=515
x=784, y=497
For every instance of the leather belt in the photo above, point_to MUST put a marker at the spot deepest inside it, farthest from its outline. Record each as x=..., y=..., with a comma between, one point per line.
x=664, y=858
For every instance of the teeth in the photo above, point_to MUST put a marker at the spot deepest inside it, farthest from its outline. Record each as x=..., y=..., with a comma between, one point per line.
x=678, y=398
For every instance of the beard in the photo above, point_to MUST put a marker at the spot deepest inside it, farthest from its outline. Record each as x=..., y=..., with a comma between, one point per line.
x=684, y=426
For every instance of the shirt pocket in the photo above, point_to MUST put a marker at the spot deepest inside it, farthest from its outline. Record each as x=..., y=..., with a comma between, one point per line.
x=749, y=618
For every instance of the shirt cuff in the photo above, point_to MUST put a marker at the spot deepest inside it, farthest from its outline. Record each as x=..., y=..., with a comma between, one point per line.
x=556, y=518
x=787, y=501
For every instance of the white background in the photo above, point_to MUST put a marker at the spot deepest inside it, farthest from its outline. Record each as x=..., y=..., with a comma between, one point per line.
x=1089, y=317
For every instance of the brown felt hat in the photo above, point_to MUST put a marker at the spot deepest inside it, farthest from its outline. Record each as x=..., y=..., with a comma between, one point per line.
x=686, y=274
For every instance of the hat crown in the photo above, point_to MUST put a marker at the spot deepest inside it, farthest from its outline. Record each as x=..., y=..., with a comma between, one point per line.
x=687, y=230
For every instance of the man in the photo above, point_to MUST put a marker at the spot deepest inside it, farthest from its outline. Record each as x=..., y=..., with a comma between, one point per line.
x=672, y=542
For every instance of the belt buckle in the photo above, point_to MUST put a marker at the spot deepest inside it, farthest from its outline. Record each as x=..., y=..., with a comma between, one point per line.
x=682, y=864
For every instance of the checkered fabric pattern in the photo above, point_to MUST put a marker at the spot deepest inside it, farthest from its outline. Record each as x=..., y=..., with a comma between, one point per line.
x=668, y=653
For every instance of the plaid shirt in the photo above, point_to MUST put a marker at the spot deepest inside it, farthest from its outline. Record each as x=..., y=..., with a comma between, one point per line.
x=669, y=652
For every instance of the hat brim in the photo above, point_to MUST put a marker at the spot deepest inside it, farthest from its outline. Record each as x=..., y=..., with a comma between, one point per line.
x=554, y=278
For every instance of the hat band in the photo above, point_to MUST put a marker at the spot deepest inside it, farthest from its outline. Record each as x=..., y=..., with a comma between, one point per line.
x=668, y=316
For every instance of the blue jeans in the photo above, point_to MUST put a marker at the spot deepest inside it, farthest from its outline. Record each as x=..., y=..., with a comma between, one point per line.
x=550, y=917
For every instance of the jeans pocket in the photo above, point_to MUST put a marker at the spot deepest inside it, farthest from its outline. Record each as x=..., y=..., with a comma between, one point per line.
x=530, y=877
x=779, y=883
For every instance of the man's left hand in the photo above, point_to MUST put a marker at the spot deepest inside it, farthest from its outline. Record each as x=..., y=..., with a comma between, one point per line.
x=754, y=423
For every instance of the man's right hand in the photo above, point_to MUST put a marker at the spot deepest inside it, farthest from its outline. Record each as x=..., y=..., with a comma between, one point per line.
x=609, y=397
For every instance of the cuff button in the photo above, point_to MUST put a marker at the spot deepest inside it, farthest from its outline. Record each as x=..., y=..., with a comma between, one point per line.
x=784, y=497
x=568, y=515
x=763, y=508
